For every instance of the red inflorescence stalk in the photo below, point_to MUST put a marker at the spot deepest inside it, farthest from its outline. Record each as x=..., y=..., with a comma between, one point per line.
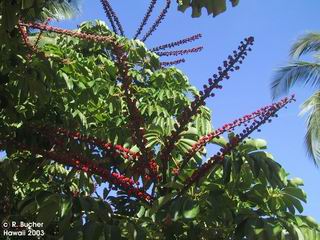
x=175, y=62
x=136, y=124
x=112, y=16
x=82, y=164
x=203, y=141
x=229, y=65
x=146, y=18
x=158, y=21
x=75, y=135
x=219, y=157
x=177, y=43
x=180, y=52
x=84, y=36
x=120, y=181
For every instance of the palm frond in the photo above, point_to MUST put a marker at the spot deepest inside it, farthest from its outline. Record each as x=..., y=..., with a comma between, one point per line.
x=312, y=137
x=306, y=44
x=60, y=9
x=305, y=73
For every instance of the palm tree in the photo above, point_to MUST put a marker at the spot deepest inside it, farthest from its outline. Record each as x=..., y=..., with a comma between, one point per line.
x=306, y=73
x=60, y=9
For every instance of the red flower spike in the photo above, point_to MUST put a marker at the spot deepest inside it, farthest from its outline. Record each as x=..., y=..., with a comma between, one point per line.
x=188, y=112
x=109, y=15
x=219, y=157
x=145, y=18
x=112, y=16
x=180, y=52
x=175, y=62
x=157, y=22
x=177, y=43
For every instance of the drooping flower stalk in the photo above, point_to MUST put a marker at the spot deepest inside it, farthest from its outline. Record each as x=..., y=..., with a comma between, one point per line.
x=204, y=140
x=229, y=65
x=145, y=18
x=118, y=180
x=80, y=163
x=171, y=63
x=84, y=36
x=235, y=141
x=157, y=22
x=177, y=43
x=180, y=52
x=112, y=16
x=85, y=165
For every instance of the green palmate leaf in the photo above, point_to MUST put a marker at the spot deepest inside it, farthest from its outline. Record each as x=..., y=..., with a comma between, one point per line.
x=227, y=165
x=27, y=4
x=112, y=232
x=214, y=7
x=65, y=206
x=293, y=202
x=190, y=209
x=253, y=145
x=136, y=232
x=48, y=209
x=93, y=230
x=68, y=80
x=296, y=181
x=296, y=192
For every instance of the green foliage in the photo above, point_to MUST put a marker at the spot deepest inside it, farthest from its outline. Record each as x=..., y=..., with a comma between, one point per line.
x=76, y=84
x=214, y=7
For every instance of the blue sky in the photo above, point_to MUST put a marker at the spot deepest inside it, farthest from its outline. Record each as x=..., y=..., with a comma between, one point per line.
x=275, y=25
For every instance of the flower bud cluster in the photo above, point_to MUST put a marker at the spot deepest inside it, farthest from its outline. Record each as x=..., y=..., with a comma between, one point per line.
x=158, y=21
x=180, y=52
x=264, y=117
x=177, y=43
x=145, y=18
x=175, y=62
x=148, y=170
x=112, y=16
